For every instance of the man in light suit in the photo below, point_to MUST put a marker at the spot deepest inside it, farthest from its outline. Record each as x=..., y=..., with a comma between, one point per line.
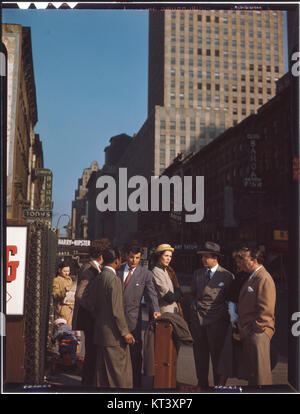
x=82, y=314
x=137, y=281
x=111, y=334
x=209, y=318
x=256, y=315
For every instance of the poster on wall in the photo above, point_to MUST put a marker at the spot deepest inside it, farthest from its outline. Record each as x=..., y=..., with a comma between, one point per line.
x=16, y=266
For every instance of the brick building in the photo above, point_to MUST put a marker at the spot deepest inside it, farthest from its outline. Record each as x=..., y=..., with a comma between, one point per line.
x=246, y=188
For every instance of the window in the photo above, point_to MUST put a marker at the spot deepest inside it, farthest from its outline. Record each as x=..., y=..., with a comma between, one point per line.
x=172, y=125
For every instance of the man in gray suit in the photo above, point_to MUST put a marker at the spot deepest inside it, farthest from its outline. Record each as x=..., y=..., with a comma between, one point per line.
x=111, y=334
x=137, y=281
x=209, y=312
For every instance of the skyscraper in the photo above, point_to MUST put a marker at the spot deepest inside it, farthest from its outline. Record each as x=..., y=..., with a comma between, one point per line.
x=208, y=70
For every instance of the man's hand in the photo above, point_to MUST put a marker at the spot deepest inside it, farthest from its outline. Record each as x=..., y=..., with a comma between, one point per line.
x=129, y=339
x=156, y=315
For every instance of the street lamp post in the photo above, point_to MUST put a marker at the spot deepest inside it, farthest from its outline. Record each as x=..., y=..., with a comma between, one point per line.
x=62, y=215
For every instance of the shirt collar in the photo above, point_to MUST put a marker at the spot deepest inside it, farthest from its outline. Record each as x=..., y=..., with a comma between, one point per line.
x=110, y=268
x=213, y=270
x=127, y=268
x=97, y=265
x=256, y=270
x=161, y=266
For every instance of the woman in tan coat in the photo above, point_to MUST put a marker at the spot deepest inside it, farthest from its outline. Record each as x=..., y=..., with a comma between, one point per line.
x=62, y=284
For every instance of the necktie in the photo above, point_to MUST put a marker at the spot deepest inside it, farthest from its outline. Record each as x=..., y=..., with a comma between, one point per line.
x=207, y=276
x=128, y=277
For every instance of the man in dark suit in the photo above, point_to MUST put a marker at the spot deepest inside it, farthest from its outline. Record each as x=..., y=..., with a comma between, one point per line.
x=137, y=281
x=209, y=312
x=82, y=313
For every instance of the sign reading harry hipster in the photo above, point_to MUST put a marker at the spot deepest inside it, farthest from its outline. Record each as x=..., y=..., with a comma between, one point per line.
x=16, y=245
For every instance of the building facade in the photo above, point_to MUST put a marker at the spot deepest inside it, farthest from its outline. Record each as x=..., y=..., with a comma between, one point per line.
x=208, y=70
x=24, y=148
x=246, y=174
x=79, y=219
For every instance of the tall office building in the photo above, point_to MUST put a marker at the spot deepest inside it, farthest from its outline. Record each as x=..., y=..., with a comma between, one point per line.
x=208, y=70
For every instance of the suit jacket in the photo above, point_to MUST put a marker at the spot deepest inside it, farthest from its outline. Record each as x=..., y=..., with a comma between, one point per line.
x=82, y=317
x=140, y=284
x=209, y=301
x=110, y=321
x=256, y=305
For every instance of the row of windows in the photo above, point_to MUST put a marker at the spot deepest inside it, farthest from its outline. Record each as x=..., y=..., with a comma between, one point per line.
x=251, y=89
x=225, y=30
x=250, y=45
x=225, y=76
x=217, y=64
x=212, y=128
x=208, y=98
x=258, y=35
x=217, y=86
x=232, y=13
x=207, y=105
x=233, y=55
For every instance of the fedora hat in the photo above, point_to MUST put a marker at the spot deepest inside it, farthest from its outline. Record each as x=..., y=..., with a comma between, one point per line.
x=212, y=248
x=164, y=247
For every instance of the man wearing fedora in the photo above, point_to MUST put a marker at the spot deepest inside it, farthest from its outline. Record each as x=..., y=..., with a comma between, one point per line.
x=209, y=312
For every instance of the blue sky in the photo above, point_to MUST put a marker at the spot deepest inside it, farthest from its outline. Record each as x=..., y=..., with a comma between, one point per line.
x=91, y=74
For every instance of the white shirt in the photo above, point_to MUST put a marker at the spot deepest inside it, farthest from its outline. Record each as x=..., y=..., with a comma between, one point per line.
x=252, y=274
x=126, y=271
x=111, y=268
x=97, y=265
x=213, y=270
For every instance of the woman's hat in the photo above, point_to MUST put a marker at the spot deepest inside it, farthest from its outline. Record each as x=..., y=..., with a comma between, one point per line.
x=60, y=320
x=164, y=247
x=212, y=248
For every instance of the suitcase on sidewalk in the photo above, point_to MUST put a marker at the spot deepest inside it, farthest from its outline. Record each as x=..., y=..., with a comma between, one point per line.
x=165, y=356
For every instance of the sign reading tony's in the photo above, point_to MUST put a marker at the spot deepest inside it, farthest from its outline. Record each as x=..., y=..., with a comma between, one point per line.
x=16, y=245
